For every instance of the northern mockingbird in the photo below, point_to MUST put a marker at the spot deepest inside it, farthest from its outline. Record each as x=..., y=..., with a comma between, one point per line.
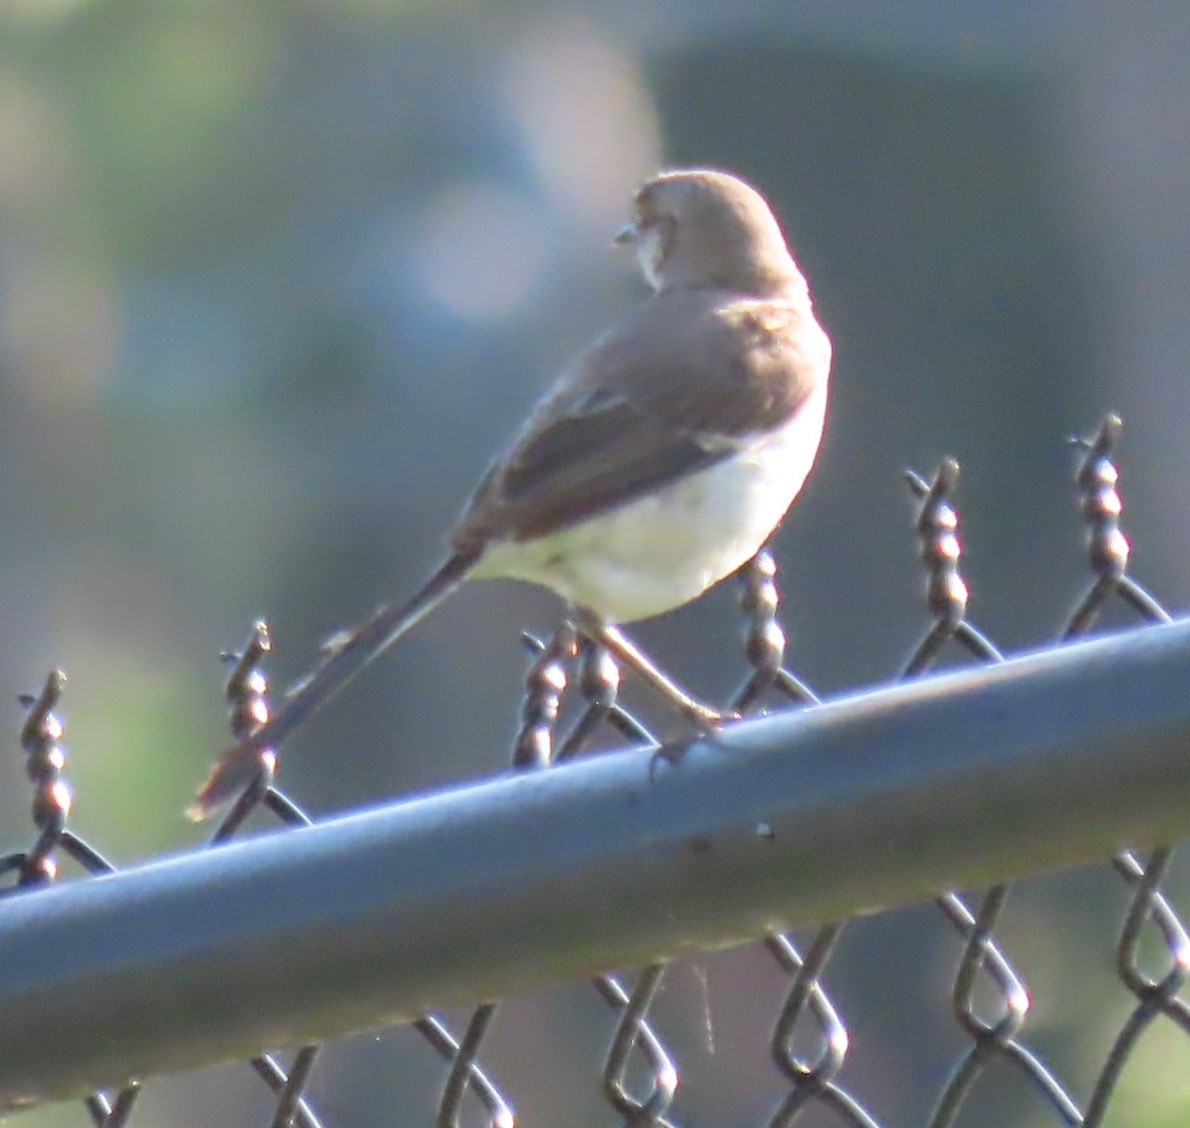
x=657, y=464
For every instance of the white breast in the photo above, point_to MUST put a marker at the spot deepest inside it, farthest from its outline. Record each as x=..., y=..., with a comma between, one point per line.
x=661, y=551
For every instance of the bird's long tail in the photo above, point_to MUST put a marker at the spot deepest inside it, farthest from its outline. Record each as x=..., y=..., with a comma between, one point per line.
x=346, y=656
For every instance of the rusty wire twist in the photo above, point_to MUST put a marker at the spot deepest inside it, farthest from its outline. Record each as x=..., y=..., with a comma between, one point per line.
x=1109, y=551
x=1108, y=548
x=941, y=553
x=947, y=599
x=246, y=692
x=537, y=746
x=764, y=639
x=806, y=1001
x=45, y=761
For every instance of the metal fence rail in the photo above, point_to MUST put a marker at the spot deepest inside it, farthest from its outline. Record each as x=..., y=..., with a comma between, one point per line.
x=475, y=893
x=804, y=817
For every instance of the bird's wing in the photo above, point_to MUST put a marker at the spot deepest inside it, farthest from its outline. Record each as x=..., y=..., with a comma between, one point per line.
x=678, y=386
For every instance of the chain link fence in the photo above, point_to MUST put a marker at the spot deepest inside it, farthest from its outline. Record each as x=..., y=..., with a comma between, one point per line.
x=641, y=1076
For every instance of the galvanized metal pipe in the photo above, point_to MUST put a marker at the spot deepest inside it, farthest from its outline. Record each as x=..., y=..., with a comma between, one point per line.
x=866, y=802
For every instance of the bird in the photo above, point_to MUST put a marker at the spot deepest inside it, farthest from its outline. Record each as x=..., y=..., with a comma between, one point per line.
x=657, y=464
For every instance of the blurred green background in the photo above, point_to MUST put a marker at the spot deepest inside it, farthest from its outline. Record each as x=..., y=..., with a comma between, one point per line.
x=276, y=278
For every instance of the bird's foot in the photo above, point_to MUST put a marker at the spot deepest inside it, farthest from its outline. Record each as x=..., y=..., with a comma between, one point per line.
x=702, y=717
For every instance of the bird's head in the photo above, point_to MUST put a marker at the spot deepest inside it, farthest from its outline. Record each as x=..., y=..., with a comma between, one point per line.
x=699, y=228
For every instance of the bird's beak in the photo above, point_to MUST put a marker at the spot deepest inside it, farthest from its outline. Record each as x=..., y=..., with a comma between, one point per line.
x=627, y=236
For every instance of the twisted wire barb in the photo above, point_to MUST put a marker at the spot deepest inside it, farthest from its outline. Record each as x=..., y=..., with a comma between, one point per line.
x=537, y=746
x=947, y=599
x=246, y=693
x=764, y=640
x=599, y=688
x=1108, y=548
x=45, y=761
x=541, y=704
x=247, y=697
x=806, y=1001
x=1108, y=551
x=941, y=552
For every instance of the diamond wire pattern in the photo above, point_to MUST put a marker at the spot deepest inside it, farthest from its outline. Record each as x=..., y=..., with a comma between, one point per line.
x=568, y=660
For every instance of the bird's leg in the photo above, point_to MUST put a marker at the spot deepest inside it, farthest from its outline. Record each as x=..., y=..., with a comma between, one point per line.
x=701, y=716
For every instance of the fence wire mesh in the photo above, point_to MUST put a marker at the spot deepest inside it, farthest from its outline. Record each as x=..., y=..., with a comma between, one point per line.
x=809, y=1043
